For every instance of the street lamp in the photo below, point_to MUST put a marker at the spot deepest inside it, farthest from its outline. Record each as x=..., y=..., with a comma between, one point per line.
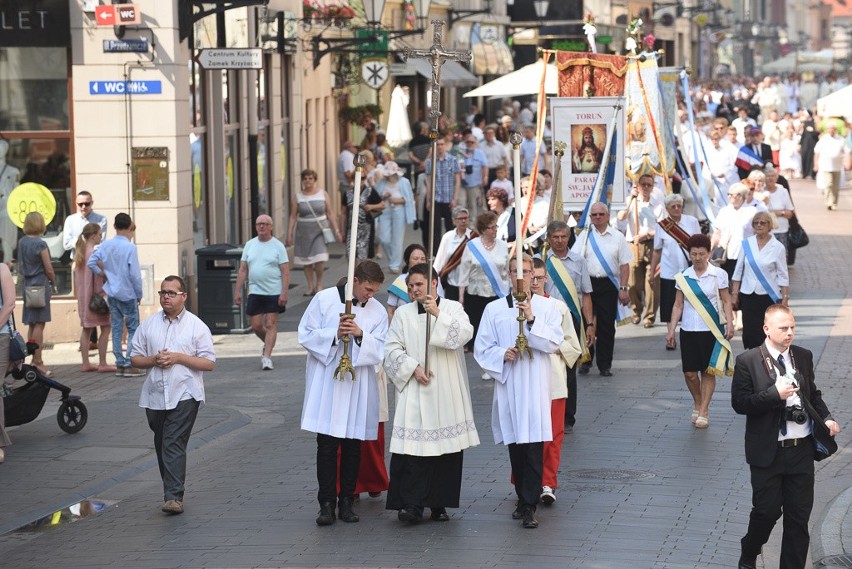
x=373, y=11
x=541, y=7
x=421, y=8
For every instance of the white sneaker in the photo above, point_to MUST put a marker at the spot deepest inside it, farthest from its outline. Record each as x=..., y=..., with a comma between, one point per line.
x=548, y=496
x=486, y=377
x=265, y=363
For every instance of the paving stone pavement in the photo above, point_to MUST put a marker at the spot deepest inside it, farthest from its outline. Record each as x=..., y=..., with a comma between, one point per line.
x=639, y=486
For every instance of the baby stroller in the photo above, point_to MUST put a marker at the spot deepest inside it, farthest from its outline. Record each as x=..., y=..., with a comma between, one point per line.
x=24, y=403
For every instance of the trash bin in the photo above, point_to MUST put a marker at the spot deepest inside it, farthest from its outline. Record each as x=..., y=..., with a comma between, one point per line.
x=217, y=270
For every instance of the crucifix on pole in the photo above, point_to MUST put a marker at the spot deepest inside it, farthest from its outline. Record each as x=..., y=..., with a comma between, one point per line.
x=436, y=55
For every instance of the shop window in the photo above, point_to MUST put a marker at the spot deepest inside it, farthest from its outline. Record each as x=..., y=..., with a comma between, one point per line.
x=33, y=88
x=199, y=188
x=44, y=161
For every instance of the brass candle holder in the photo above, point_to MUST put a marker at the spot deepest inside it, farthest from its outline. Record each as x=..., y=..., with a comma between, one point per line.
x=345, y=366
x=521, y=341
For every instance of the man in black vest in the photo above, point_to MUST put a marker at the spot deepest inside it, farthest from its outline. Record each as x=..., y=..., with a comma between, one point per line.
x=774, y=387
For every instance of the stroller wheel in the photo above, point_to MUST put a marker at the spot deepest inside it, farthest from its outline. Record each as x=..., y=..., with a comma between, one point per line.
x=72, y=416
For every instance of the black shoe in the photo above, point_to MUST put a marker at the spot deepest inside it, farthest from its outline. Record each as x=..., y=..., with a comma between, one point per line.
x=529, y=519
x=584, y=369
x=326, y=514
x=439, y=515
x=344, y=511
x=569, y=428
x=747, y=564
x=518, y=513
x=606, y=372
x=409, y=514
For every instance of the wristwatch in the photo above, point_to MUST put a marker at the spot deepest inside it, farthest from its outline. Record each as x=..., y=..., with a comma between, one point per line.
x=624, y=288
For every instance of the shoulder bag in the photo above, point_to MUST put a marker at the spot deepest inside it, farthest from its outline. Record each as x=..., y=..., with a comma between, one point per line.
x=327, y=232
x=796, y=235
x=17, y=344
x=98, y=304
x=35, y=296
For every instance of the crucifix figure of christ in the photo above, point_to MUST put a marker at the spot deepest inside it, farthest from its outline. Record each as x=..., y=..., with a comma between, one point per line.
x=436, y=55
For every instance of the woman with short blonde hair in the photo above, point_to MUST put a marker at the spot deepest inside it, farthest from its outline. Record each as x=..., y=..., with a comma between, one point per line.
x=35, y=266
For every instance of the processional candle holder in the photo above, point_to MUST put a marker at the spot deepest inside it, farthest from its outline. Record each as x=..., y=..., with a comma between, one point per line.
x=345, y=366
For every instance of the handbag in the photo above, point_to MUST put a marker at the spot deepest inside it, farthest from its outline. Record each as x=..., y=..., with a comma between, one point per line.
x=98, y=304
x=327, y=233
x=17, y=344
x=35, y=296
x=796, y=235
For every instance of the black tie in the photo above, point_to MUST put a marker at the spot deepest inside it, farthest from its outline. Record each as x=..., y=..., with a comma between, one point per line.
x=783, y=368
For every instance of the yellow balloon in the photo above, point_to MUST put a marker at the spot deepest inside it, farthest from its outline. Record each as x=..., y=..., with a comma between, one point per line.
x=30, y=197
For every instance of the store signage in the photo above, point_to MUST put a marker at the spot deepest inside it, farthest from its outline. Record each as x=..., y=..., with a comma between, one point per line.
x=125, y=87
x=126, y=46
x=117, y=15
x=35, y=23
x=375, y=72
x=231, y=58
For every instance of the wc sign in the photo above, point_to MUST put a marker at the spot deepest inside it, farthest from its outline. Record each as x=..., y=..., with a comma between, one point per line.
x=118, y=15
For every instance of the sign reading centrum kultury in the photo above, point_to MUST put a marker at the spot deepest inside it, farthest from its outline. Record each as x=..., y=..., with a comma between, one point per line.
x=35, y=23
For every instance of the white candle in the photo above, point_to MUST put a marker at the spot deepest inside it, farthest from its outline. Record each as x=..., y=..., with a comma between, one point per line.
x=519, y=241
x=353, y=232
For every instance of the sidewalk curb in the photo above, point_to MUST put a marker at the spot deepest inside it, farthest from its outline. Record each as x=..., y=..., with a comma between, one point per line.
x=829, y=527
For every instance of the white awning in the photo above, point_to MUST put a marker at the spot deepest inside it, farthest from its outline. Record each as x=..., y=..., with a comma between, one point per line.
x=453, y=74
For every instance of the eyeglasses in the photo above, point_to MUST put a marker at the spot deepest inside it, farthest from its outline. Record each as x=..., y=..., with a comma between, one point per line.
x=261, y=223
x=596, y=214
x=537, y=278
x=759, y=222
x=84, y=204
x=169, y=293
x=470, y=141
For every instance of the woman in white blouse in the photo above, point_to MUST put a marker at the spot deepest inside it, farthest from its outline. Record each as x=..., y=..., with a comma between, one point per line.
x=733, y=224
x=749, y=288
x=480, y=284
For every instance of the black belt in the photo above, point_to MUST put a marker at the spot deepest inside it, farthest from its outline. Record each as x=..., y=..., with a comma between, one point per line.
x=786, y=443
x=604, y=278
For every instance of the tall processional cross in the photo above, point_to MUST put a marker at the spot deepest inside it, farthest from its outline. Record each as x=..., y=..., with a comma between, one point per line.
x=436, y=55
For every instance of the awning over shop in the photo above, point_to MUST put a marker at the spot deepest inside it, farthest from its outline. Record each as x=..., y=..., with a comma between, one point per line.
x=492, y=58
x=453, y=74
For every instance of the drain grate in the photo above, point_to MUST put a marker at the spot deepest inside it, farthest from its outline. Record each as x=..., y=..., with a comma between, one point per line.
x=608, y=474
x=837, y=561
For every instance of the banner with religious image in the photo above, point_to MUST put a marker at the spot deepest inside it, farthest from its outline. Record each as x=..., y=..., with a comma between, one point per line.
x=645, y=139
x=584, y=125
x=669, y=82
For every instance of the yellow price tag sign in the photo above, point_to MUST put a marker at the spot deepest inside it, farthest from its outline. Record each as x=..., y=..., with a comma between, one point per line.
x=29, y=197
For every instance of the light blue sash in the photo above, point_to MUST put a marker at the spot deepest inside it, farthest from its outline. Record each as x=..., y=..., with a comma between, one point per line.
x=399, y=289
x=488, y=266
x=599, y=254
x=764, y=282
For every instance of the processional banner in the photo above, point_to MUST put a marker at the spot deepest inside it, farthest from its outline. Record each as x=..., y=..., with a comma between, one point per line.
x=584, y=125
x=583, y=74
x=645, y=138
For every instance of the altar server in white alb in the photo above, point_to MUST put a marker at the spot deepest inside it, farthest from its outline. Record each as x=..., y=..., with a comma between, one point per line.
x=342, y=412
x=520, y=413
x=433, y=422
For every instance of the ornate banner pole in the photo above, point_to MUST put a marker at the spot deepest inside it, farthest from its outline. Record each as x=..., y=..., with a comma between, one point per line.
x=436, y=55
x=345, y=366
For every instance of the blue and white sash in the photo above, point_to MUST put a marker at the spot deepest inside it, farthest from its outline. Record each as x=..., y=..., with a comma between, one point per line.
x=399, y=288
x=488, y=266
x=623, y=314
x=773, y=293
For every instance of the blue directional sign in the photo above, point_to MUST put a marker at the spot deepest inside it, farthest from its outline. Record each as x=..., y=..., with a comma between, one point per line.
x=126, y=46
x=125, y=87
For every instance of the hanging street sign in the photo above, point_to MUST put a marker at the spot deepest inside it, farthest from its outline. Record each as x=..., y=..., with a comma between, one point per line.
x=375, y=72
x=231, y=58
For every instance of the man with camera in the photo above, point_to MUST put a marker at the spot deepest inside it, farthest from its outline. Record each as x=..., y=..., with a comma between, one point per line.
x=788, y=426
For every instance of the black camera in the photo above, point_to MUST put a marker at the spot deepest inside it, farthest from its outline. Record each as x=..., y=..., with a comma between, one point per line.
x=796, y=414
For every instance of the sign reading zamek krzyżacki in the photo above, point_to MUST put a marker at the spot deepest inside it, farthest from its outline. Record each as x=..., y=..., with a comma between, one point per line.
x=35, y=23
x=231, y=58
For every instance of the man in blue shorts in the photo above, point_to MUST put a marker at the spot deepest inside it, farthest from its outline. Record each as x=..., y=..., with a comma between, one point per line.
x=265, y=264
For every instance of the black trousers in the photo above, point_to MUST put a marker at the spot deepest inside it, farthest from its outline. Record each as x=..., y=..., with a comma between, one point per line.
x=605, y=309
x=172, y=428
x=350, y=460
x=571, y=403
x=451, y=292
x=753, y=307
x=527, y=463
x=785, y=485
x=443, y=223
x=425, y=481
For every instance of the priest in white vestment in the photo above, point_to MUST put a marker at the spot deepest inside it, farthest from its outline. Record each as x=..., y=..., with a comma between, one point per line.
x=520, y=413
x=433, y=422
x=342, y=412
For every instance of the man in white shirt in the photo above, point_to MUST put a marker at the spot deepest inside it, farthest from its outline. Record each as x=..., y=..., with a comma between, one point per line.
x=176, y=347
x=607, y=291
x=450, y=251
x=75, y=222
x=829, y=152
x=495, y=153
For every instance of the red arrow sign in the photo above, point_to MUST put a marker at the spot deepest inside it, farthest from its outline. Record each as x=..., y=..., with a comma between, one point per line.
x=105, y=15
